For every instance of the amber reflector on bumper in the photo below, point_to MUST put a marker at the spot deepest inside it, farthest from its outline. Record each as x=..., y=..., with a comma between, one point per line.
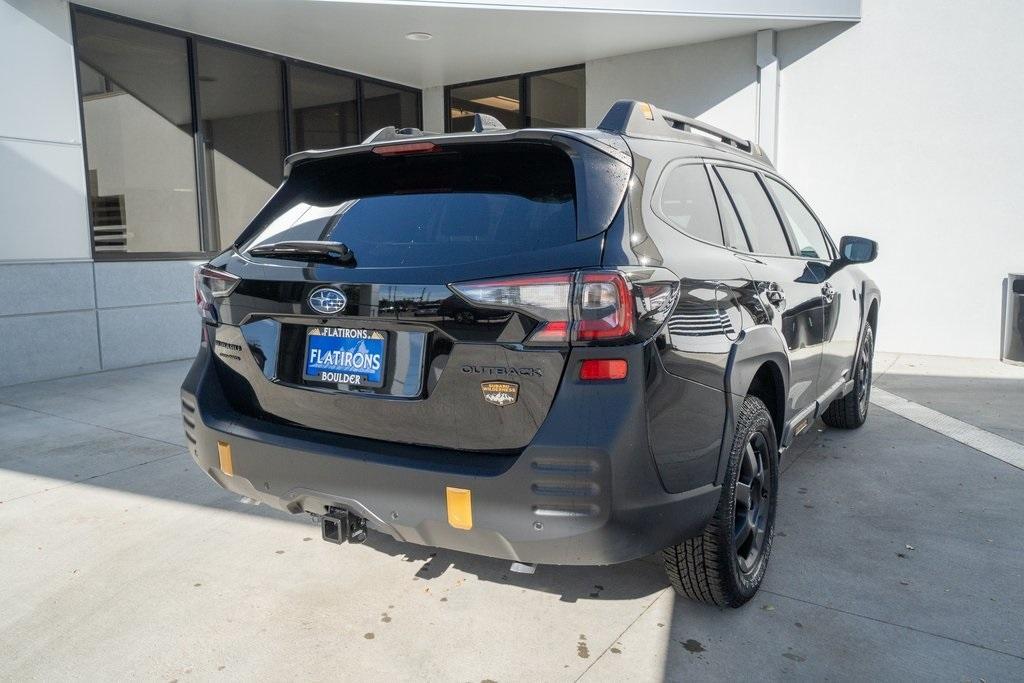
x=224, y=451
x=460, y=508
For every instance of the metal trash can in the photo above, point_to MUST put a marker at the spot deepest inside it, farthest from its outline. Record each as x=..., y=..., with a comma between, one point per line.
x=1013, y=320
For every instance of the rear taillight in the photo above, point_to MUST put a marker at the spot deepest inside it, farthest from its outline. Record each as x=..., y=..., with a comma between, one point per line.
x=604, y=307
x=212, y=284
x=542, y=297
x=581, y=307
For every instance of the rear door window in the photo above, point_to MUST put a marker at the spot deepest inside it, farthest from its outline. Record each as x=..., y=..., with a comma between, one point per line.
x=756, y=211
x=440, y=208
x=810, y=242
x=687, y=203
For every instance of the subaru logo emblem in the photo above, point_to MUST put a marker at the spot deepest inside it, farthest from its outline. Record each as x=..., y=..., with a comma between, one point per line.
x=327, y=300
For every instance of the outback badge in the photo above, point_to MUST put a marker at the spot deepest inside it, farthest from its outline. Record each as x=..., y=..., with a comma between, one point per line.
x=500, y=393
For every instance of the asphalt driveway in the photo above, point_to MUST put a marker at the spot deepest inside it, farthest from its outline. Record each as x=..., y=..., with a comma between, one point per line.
x=899, y=555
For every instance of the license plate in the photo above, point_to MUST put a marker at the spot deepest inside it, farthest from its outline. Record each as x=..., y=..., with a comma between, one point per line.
x=343, y=355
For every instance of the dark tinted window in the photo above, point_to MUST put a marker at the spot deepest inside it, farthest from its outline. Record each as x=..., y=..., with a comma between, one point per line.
x=810, y=242
x=731, y=227
x=384, y=106
x=557, y=99
x=243, y=131
x=755, y=209
x=323, y=109
x=500, y=99
x=450, y=207
x=687, y=202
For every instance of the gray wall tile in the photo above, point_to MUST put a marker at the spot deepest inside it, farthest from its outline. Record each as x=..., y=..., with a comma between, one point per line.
x=34, y=347
x=45, y=287
x=148, y=334
x=135, y=283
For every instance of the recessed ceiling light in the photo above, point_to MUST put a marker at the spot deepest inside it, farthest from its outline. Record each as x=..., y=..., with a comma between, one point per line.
x=418, y=35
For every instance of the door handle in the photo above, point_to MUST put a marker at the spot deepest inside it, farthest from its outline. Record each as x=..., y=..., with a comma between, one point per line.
x=776, y=297
x=828, y=292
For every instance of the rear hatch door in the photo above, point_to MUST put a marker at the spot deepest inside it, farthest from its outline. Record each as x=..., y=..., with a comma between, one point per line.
x=377, y=344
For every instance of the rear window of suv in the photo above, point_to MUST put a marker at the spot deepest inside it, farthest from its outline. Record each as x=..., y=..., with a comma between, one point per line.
x=460, y=204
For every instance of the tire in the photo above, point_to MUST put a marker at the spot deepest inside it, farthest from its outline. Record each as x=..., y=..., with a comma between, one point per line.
x=851, y=411
x=726, y=563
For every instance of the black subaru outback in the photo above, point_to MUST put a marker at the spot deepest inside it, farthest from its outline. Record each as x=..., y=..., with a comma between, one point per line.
x=551, y=346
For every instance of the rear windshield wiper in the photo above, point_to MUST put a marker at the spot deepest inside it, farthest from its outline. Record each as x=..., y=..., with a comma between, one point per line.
x=307, y=250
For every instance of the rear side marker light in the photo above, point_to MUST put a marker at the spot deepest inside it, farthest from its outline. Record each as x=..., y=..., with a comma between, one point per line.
x=408, y=148
x=603, y=369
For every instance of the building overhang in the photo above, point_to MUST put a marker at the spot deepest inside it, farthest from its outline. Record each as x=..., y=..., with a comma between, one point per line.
x=472, y=40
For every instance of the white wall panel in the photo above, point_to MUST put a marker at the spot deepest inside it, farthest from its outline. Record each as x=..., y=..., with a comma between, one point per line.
x=43, y=204
x=42, y=201
x=904, y=128
x=37, y=76
x=715, y=81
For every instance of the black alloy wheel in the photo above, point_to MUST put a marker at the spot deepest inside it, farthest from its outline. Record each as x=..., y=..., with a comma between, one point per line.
x=753, y=503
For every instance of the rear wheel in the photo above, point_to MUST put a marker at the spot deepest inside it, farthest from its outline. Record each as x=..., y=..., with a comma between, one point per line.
x=850, y=411
x=726, y=563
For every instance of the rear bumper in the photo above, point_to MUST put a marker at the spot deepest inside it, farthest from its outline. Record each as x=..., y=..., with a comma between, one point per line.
x=585, y=491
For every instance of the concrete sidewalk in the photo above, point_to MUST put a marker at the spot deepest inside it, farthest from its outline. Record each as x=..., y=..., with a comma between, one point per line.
x=899, y=555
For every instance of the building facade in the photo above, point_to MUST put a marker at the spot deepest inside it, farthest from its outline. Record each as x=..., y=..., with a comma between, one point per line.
x=138, y=137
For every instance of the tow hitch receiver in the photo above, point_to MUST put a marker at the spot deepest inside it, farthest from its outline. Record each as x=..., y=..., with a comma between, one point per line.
x=338, y=526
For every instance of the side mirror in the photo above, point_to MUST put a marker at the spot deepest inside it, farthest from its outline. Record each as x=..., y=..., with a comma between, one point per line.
x=857, y=250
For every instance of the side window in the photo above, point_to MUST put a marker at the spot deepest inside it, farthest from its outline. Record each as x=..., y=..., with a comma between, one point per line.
x=810, y=242
x=687, y=203
x=759, y=218
x=734, y=237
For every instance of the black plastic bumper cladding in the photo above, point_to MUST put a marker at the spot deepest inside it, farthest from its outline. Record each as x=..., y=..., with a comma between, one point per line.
x=584, y=491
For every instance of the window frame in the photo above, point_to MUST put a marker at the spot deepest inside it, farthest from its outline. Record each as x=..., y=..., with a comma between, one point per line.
x=524, y=91
x=829, y=244
x=659, y=191
x=207, y=232
x=771, y=202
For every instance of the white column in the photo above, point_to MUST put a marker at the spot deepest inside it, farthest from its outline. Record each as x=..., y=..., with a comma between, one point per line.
x=767, y=94
x=433, y=109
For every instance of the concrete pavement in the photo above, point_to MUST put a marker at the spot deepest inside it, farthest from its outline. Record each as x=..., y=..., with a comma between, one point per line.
x=899, y=555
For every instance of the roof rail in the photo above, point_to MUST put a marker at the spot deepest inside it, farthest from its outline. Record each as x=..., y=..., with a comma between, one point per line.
x=389, y=133
x=630, y=117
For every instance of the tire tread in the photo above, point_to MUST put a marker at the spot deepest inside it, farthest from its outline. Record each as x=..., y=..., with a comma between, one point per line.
x=844, y=413
x=698, y=568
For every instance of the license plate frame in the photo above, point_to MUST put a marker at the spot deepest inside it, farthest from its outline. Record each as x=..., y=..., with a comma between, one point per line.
x=330, y=338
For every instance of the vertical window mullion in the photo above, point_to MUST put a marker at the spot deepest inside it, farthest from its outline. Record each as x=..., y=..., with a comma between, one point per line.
x=359, y=109
x=286, y=104
x=85, y=146
x=524, y=102
x=447, y=104
x=206, y=241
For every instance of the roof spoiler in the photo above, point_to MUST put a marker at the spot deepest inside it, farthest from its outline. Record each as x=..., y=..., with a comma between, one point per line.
x=481, y=123
x=390, y=133
x=630, y=117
